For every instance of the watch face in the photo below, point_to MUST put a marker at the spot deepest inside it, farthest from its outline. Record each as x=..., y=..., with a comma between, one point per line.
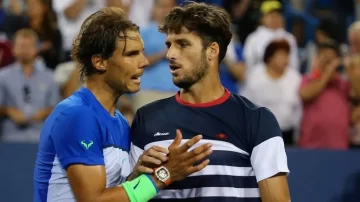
x=162, y=173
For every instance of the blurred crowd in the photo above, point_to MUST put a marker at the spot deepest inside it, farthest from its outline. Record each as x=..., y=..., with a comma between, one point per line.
x=299, y=58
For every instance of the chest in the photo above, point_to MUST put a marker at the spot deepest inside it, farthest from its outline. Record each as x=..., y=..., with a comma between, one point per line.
x=116, y=151
x=116, y=165
x=284, y=92
x=34, y=92
x=220, y=128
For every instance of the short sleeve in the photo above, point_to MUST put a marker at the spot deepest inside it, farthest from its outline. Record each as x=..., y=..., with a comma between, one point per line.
x=136, y=132
x=76, y=135
x=268, y=156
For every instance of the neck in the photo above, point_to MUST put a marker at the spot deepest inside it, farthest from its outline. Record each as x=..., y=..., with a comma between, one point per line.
x=36, y=20
x=103, y=93
x=206, y=90
x=27, y=68
x=273, y=73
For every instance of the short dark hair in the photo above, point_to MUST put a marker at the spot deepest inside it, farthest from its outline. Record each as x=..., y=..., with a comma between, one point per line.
x=275, y=46
x=98, y=36
x=210, y=23
x=333, y=45
x=326, y=26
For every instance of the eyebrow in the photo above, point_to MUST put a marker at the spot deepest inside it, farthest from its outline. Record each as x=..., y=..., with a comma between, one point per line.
x=181, y=40
x=130, y=52
x=129, y=37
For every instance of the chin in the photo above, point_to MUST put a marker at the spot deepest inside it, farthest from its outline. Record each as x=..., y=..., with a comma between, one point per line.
x=133, y=89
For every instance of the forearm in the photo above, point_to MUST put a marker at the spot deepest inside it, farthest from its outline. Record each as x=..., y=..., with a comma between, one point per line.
x=313, y=89
x=154, y=58
x=275, y=189
x=42, y=114
x=236, y=70
x=141, y=189
x=73, y=11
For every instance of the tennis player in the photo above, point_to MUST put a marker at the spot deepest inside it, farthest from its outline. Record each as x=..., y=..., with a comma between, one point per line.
x=84, y=144
x=248, y=162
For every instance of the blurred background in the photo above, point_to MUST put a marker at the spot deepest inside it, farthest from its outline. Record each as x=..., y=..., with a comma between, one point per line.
x=299, y=58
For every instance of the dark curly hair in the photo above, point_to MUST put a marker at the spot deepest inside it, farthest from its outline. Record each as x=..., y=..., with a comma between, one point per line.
x=98, y=36
x=274, y=46
x=210, y=23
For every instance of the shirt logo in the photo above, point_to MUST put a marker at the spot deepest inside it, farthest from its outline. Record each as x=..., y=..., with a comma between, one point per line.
x=221, y=136
x=160, y=134
x=136, y=184
x=87, y=145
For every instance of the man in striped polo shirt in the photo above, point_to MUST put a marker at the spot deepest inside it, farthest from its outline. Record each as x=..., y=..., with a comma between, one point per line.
x=248, y=162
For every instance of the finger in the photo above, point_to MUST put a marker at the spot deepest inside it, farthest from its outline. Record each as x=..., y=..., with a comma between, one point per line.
x=160, y=149
x=157, y=155
x=198, y=150
x=199, y=167
x=177, y=140
x=143, y=169
x=190, y=143
x=199, y=157
x=149, y=159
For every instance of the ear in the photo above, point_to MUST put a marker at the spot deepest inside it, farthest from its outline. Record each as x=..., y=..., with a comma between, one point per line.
x=99, y=63
x=213, y=51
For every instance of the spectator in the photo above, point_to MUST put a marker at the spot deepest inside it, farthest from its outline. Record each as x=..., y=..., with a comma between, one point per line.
x=324, y=94
x=27, y=92
x=71, y=14
x=156, y=83
x=354, y=38
x=67, y=77
x=232, y=71
x=41, y=18
x=354, y=78
x=324, y=33
x=272, y=28
x=274, y=85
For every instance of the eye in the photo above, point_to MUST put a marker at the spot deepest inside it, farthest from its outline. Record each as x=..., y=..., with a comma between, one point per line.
x=132, y=53
x=183, y=45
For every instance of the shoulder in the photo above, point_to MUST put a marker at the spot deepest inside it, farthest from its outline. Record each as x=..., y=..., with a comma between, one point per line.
x=154, y=107
x=46, y=74
x=244, y=103
x=257, y=70
x=67, y=112
x=7, y=70
x=290, y=37
x=72, y=120
x=251, y=37
x=250, y=111
x=294, y=74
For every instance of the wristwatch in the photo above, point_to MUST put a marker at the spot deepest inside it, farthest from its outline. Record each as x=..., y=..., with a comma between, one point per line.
x=163, y=174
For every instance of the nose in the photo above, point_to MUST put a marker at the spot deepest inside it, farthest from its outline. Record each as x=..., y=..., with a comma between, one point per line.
x=172, y=53
x=144, y=62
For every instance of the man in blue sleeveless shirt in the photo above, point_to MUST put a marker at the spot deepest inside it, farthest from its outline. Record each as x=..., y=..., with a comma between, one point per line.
x=84, y=144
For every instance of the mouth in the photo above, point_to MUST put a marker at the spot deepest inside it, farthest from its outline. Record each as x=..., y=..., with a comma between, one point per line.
x=174, y=68
x=136, y=78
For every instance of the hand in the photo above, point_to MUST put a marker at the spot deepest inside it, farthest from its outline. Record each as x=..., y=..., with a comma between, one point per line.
x=151, y=158
x=16, y=115
x=181, y=162
x=331, y=68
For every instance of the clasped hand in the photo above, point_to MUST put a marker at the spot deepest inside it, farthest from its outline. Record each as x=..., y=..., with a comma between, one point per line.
x=177, y=159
